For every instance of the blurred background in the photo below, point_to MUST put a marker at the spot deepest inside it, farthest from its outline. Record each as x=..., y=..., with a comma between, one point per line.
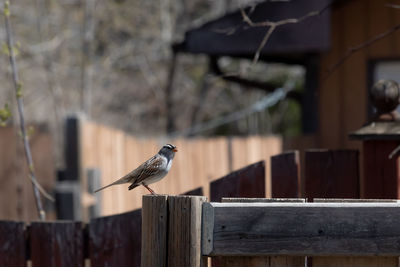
x=107, y=83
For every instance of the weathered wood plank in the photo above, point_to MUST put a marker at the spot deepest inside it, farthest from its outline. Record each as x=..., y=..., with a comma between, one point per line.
x=184, y=231
x=331, y=174
x=12, y=244
x=355, y=261
x=246, y=182
x=260, y=261
x=313, y=229
x=285, y=175
x=56, y=244
x=262, y=200
x=154, y=231
x=116, y=240
x=278, y=261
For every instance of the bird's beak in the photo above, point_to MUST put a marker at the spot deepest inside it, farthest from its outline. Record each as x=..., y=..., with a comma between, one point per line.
x=175, y=149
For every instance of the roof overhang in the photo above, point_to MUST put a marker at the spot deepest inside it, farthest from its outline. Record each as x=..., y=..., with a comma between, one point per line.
x=231, y=36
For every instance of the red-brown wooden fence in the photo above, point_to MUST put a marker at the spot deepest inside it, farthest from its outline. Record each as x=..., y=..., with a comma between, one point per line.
x=116, y=240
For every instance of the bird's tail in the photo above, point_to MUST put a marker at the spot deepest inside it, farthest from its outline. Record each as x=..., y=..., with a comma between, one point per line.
x=119, y=181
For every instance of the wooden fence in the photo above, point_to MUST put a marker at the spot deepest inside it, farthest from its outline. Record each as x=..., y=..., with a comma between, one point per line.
x=198, y=162
x=258, y=232
x=16, y=194
x=244, y=231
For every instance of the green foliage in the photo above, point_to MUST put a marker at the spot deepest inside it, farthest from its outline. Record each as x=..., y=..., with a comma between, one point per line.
x=6, y=10
x=5, y=50
x=30, y=131
x=5, y=114
x=19, y=89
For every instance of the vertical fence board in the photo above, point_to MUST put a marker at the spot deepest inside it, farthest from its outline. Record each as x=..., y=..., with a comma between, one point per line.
x=154, y=231
x=246, y=182
x=195, y=192
x=381, y=174
x=12, y=244
x=184, y=231
x=331, y=174
x=285, y=175
x=56, y=244
x=116, y=240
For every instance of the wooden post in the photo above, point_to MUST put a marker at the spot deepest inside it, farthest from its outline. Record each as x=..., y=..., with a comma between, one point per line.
x=381, y=174
x=154, y=231
x=184, y=231
x=285, y=175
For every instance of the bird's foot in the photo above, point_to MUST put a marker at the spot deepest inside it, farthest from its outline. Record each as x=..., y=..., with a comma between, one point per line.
x=150, y=190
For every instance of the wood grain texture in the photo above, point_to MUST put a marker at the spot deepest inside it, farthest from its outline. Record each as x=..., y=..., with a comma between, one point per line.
x=246, y=182
x=56, y=244
x=313, y=229
x=259, y=261
x=262, y=200
x=154, y=231
x=355, y=262
x=278, y=261
x=331, y=174
x=381, y=174
x=16, y=192
x=285, y=175
x=184, y=231
x=12, y=244
x=116, y=240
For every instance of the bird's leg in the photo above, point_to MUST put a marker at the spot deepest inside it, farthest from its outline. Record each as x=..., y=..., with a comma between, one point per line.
x=151, y=190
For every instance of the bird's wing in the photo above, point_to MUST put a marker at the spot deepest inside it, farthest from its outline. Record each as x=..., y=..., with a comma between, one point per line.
x=148, y=168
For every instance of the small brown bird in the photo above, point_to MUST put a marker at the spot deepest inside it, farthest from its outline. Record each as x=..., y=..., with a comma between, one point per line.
x=151, y=171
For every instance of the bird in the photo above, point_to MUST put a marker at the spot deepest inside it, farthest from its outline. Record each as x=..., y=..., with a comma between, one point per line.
x=150, y=171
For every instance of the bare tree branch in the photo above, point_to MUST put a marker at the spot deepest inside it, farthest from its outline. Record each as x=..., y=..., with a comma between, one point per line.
x=275, y=24
x=18, y=91
x=353, y=49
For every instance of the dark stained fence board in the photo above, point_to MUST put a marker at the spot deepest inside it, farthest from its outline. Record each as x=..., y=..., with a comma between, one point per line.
x=332, y=174
x=12, y=244
x=310, y=229
x=285, y=175
x=116, y=240
x=56, y=244
x=246, y=182
x=195, y=192
x=381, y=174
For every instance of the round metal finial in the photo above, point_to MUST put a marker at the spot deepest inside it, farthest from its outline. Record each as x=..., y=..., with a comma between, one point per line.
x=385, y=95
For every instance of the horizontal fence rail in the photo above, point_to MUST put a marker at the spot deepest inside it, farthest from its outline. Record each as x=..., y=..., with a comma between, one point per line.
x=309, y=229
